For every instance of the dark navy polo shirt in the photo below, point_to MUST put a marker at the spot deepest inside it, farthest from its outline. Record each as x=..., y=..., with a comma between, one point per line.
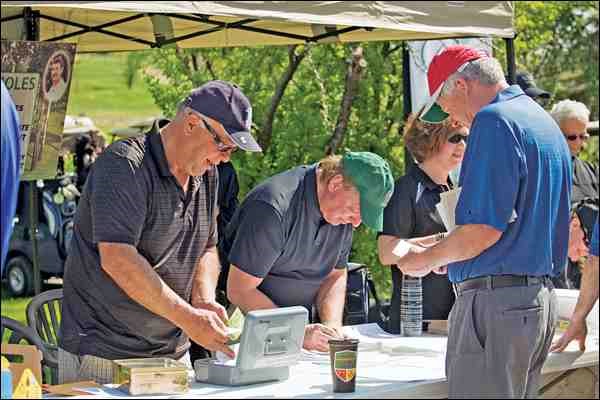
x=411, y=213
x=131, y=197
x=517, y=159
x=278, y=234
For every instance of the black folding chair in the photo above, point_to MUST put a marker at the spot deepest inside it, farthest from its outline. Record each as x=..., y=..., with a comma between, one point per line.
x=43, y=316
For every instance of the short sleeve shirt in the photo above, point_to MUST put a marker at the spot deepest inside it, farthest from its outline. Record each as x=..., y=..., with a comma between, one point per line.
x=412, y=213
x=594, y=242
x=517, y=162
x=278, y=234
x=131, y=197
x=11, y=159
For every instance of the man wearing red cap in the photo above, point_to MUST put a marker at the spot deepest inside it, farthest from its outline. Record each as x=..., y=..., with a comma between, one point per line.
x=513, y=228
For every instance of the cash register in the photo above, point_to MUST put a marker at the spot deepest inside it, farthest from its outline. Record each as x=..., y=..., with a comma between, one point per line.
x=271, y=341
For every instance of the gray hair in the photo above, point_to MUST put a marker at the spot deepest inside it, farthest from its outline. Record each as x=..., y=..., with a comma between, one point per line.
x=486, y=71
x=570, y=109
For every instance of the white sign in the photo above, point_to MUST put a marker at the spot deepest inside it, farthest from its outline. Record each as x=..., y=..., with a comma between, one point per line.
x=23, y=89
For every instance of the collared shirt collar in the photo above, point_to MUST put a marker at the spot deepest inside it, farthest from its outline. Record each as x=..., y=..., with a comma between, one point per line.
x=509, y=93
x=425, y=179
x=157, y=149
x=311, y=198
x=160, y=158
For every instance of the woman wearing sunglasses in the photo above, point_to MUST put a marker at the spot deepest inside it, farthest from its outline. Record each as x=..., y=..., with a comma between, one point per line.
x=411, y=213
x=572, y=117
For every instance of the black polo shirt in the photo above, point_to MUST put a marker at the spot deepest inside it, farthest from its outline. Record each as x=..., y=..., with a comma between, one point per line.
x=131, y=197
x=585, y=180
x=411, y=213
x=278, y=234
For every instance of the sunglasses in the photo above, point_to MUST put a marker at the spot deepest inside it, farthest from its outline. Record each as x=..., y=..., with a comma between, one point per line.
x=457, y=138
x=221, y=147
x=583, y=136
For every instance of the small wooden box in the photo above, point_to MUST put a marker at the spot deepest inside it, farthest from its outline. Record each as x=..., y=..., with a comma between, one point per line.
x=150, y=376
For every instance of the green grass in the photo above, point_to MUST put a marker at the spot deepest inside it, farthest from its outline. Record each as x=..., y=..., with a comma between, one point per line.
x=13, y=307
x=99, y=90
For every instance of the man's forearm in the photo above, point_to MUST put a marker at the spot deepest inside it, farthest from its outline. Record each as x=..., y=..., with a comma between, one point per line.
x=588, y=293
x=253, y=299
x=134, y=275
x=206, y=277
x=332, y=297
x=386, y=245
x=464, y=243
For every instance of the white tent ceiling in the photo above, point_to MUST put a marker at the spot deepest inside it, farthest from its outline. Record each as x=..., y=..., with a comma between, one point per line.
x=126, y=25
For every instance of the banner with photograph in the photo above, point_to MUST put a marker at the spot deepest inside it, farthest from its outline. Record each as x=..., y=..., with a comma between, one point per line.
x=38, y=77
x=421, y=54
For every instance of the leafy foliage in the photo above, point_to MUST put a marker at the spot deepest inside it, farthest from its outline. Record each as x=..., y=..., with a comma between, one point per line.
x=554, y=39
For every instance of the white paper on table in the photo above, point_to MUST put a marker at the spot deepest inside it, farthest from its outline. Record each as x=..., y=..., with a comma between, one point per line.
x=370, y=336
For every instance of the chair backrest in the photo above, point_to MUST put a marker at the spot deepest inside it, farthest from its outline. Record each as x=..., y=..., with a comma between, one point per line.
x=43, y=316
x=18, y=333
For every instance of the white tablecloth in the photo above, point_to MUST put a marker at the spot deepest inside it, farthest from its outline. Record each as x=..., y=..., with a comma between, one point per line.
x=413, y=367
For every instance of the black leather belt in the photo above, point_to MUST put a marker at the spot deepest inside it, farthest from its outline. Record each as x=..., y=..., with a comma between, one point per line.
x=498, y=281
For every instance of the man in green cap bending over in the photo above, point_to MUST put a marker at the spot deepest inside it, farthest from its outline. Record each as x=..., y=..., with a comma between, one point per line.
x=288, y=243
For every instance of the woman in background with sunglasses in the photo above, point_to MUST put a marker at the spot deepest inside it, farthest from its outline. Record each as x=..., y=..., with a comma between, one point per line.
x=411, y=215
x=572, y=117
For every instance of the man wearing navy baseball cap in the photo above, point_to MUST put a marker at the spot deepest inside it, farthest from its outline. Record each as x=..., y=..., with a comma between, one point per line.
x=143, y=266
x=512, y=228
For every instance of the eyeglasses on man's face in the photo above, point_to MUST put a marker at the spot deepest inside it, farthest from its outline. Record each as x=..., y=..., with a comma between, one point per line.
x=582, y=136
x=222, y=147
x=457, y=138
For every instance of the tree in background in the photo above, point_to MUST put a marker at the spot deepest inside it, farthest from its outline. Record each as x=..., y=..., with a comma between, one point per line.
x=309, y=100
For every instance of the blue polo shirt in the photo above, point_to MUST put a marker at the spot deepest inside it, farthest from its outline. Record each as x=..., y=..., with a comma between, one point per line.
x=594, y=243
x=517, y=159
x=9, y=172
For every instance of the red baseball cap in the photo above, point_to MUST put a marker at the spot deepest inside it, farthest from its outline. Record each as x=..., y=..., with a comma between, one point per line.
x=452, y=59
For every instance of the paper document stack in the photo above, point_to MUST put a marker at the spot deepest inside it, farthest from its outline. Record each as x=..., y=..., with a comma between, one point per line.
x=447, y=208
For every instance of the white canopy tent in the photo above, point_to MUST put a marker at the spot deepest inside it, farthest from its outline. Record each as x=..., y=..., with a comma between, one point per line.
x=130, y=25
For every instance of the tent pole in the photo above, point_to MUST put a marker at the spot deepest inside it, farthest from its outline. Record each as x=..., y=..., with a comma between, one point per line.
x=510, y=59
x=407, y=101
x=31, y=19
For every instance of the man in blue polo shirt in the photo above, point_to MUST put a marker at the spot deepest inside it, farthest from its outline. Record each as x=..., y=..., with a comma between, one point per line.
x=288, y=243
x=9, y=182
x=513, y=228
x=588, y=295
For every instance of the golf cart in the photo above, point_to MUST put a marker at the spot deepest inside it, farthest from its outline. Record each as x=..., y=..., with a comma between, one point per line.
x=57, y=203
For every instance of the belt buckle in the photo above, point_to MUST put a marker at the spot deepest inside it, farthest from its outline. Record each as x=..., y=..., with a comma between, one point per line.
x=456, y=289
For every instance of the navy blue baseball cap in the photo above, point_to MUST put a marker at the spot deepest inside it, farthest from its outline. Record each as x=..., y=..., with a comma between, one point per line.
x=224, y=102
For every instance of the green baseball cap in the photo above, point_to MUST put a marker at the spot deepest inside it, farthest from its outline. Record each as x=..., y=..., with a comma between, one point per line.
x=373, y=179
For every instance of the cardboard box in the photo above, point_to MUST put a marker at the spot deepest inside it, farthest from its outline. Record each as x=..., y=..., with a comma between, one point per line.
x=32, y=359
